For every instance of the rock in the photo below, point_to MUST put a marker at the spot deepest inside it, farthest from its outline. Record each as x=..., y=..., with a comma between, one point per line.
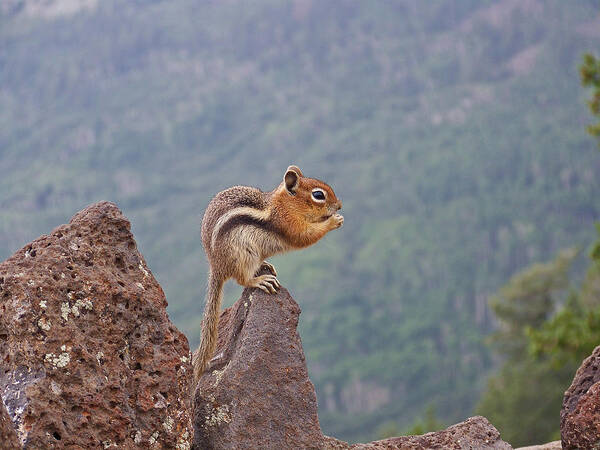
x=474, y=433
x=8, y=436
x=256, y=392
x=554, y=445
x=580, y=413
x=89, y=357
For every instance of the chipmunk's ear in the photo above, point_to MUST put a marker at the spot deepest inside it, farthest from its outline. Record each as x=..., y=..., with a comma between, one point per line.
x=292, y=178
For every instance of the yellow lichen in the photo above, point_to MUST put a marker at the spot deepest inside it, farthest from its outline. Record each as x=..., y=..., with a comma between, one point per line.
x=44, y=323
x=218, y=375
x=58, y=360
x=218, y=416
x=168, y=424
x=153, y=438
x=143, y=269
x=183, y=443
x=65, y=310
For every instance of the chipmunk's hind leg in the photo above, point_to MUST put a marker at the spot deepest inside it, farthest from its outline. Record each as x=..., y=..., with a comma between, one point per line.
x=268, y=282
x=249, y=262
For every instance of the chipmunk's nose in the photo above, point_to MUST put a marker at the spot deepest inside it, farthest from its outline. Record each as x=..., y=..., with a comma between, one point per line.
x=338, y=205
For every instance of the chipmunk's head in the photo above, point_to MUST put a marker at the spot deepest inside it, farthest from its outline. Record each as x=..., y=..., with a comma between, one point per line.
x=313, y=199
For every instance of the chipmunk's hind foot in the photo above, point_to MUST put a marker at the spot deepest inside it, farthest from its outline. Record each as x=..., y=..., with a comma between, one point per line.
x=268, y=283
x=267, y=266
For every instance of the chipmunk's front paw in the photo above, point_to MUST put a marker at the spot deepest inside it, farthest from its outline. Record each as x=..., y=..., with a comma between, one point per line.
x=337, y=220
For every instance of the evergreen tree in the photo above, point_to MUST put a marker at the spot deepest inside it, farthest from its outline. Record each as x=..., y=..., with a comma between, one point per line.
x=527, y=301
x=524, y=398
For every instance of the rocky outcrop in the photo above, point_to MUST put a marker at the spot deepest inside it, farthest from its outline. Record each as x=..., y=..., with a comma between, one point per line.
x=89, y=357
x=256, y=392
x=91, y=360
x=8, y=435
x=554, y=445
x=580, y=413
x=474, y=433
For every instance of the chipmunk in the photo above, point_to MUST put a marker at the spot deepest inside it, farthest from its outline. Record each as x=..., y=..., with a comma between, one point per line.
x=242, y=226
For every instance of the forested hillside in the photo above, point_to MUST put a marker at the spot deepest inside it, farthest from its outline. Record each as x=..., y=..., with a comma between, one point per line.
x=453, y=131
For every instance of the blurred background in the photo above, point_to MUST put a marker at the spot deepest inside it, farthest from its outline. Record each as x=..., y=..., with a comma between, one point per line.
x=453, y=131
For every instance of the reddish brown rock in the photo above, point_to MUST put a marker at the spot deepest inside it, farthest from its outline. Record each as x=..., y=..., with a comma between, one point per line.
x=8, y=436
x=554, y=445
x=256, y=392
x=580, y=413
x=474, y=433
x=89, y=357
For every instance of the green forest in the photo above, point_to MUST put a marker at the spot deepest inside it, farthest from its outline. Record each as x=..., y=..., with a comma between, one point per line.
x=548, y=323
x=454, y=132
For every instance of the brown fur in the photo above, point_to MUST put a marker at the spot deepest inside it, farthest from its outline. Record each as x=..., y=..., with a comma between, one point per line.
x=243, y=226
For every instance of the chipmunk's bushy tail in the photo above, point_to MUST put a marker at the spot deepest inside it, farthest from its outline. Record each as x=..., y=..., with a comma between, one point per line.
x=208, y=339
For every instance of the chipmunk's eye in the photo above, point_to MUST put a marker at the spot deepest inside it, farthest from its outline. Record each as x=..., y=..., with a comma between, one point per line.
x=318, y=195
